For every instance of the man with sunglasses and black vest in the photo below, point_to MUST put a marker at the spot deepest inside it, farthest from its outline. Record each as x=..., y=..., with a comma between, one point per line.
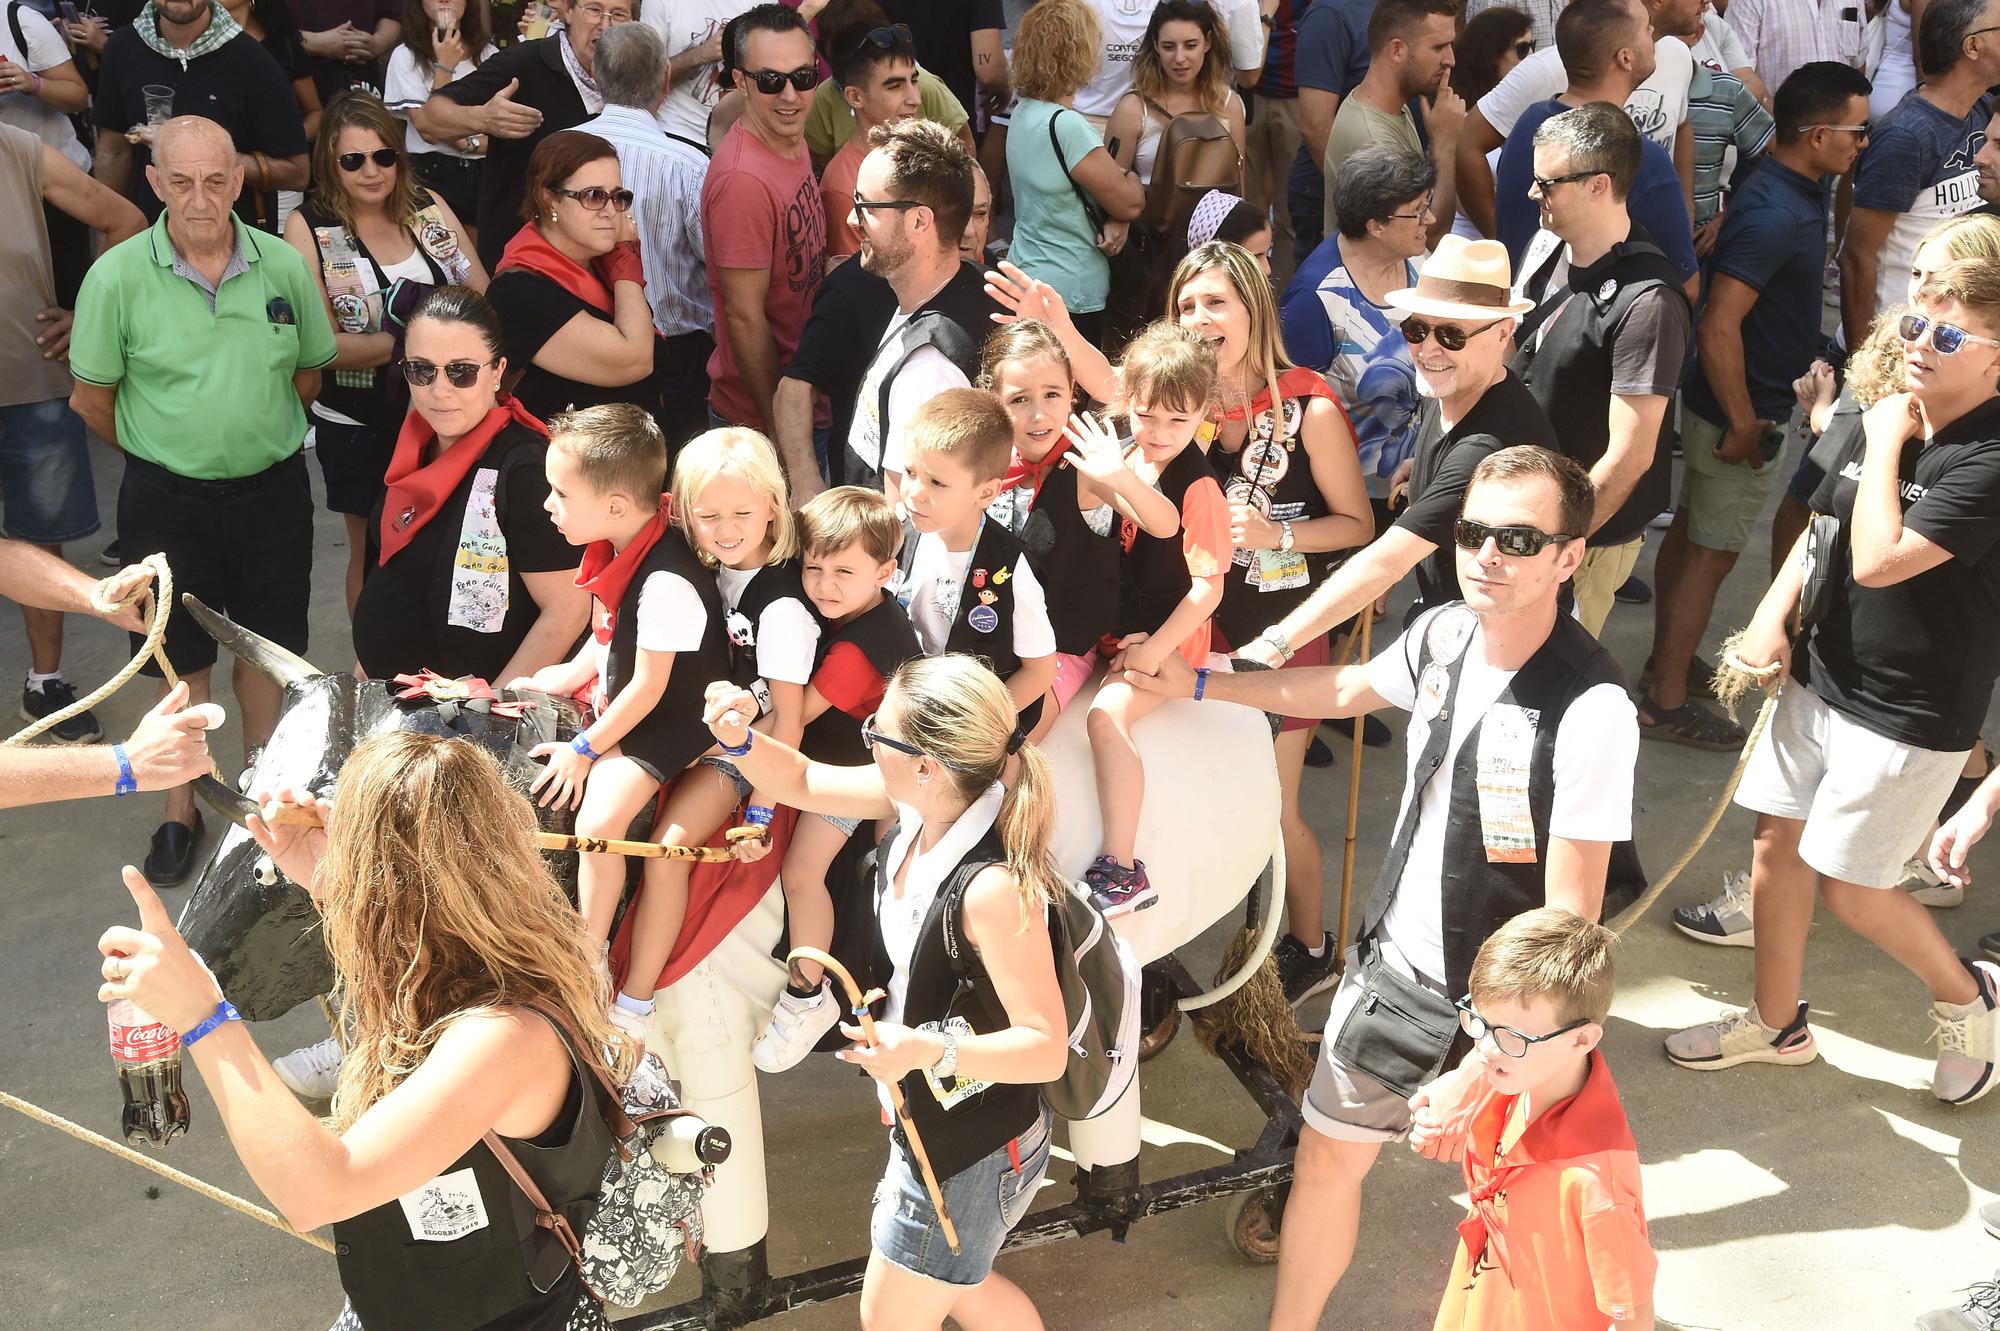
x=1602, y=351
x=1519, y=794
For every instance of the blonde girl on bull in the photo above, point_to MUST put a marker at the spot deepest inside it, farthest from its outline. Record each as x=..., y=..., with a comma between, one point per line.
x=944, y=734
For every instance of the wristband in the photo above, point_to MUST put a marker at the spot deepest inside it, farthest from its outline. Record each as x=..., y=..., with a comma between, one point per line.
x=757, y=815
x=738, y=750
x=36, y=91
x=1200, y=682
x=127, y=783
x=581, y=744
x=225, y=1011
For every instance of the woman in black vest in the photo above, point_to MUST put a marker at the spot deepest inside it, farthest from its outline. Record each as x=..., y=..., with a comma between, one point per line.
x=464, y=574
x=446, y=931
x=970, y=1067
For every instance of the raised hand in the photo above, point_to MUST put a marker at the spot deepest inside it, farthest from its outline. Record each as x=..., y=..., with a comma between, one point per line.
x=296, y=847
x=1094, y=447
x=152, y=966
x=1025, y=297
x=1445, y=114
x=506, y=118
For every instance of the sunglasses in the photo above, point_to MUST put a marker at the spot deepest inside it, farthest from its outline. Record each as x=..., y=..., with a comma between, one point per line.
x=897, y=37
x=1946, y=339
x=1545, y=184
x=1449, y=336
x=1520, y=542
x=771, y=82
x=1524, y=49
x=870, y=737
x=862, y=205
x=382, y=157
x=1513, y=1043
x=595, y=197
x=1863, y=129
x=460, y=373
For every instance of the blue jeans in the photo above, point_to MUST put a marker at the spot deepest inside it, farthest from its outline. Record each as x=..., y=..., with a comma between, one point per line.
x=986, y=1199
x=46, y=493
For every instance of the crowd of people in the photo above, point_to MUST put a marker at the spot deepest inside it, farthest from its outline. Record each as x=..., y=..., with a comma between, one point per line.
x=830, y=393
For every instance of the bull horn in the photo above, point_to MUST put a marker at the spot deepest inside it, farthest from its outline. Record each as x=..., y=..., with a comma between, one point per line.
x=224, y=799
x=267, y=658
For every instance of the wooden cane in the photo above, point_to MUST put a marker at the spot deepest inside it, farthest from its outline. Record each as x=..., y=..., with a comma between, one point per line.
x=860, y=1004
x=1353, y=789
x=298, y=815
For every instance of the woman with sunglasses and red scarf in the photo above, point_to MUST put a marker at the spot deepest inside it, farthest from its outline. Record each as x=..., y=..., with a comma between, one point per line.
x=465, y=574
x=569, y=288
x=376, y=241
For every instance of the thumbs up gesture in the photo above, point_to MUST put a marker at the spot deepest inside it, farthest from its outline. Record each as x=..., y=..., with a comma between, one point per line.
x=509, y=119
x=153, y=967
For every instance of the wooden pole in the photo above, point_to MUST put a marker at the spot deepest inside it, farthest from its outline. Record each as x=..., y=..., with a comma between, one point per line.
x=1353, y=791
x=293, y=815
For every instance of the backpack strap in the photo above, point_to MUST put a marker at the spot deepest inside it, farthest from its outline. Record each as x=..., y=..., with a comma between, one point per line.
x=1091, y=212
x=546, y=1217
x=14, y=27
x=951, y=911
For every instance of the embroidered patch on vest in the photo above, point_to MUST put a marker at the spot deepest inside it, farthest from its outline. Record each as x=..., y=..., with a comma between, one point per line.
x=1506, y=747
x=448, y=1207
x=479, y=569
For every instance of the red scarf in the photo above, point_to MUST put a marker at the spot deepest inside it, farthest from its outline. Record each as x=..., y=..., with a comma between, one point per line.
x=1032, y=474
x=530, y=250
x=606, y=573
x=1293, y=383
x=418, y=489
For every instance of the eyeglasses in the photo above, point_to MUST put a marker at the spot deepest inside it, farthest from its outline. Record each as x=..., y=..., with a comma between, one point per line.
x=1863, y=129
x=1946, y=339
x=1524, y=49
x=1545, y=185
x=1423, y=211
x=382, y=157
x=870, y=737
x=595, y=197
x=862, y=205
x=599, y=14
x=1450, y=336
x=771, y=82
x=1520, y=542
x=461, y=373
x=1506, y=1039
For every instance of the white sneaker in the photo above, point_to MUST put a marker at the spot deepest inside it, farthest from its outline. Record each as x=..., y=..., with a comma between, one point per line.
x=1979, y=1312
x=796, y=1026
x=311, y=1072
x=1723, y=920
x=1742, y=1037
x=1662, y=521
x=1968, y=1040
x=1927, y=889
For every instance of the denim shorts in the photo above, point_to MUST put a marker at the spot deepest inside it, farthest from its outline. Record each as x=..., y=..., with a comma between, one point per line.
x=986, y=1200
x=845, y=826
x=46, y=492
x=729, y=773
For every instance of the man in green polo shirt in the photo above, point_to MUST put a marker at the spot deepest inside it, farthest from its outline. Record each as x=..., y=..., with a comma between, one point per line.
x=196, y=347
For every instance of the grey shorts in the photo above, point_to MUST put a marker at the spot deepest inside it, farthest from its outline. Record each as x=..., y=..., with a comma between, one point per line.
x=728, y=770
x=1344, y=1102
x=1867, y=801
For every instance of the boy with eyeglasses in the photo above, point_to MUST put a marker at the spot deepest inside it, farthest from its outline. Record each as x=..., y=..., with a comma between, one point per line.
x=1556, y=1231
x=1519, y=794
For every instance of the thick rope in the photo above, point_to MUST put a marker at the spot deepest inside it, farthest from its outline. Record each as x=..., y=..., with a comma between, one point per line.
x=163, y=602
x=123, y=1152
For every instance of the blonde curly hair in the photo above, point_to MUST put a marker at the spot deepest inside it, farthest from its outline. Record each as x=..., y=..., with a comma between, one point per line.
x=1057, y=49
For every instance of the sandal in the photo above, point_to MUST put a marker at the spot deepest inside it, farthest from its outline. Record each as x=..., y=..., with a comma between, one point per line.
x=1690, y=724
x=1700, y=678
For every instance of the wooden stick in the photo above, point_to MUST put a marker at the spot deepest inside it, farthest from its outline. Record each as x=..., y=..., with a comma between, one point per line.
x=860, y=1002
x=295, y=815
x=1353, y=790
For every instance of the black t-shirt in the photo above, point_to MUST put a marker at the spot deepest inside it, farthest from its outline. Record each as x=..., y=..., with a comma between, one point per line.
x=333, y=77
x=546, y=86
x=532, y=310
x=850, y=311
x=1506, y=414
x=1916, y=661
x=943, y=31
x=401, y=621
x=238, y=85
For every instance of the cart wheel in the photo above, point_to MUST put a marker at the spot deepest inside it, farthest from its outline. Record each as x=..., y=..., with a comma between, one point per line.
x=1250, y=1227
x=1160, y=1034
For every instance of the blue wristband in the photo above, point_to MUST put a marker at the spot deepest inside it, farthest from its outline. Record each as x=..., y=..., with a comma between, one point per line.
x=738, y=750
x=758, y=815
x=224, y=1011
x=581, y=744
x=1200, y=682
x=127, y=783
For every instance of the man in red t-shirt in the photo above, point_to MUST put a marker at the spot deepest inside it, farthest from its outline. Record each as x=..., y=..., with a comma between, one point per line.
x=762, y=225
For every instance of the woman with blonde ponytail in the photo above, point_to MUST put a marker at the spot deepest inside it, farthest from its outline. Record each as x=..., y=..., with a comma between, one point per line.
x=967, y=863
x=450, y=943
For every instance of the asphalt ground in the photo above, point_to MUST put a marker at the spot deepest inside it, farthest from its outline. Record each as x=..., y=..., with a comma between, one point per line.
x=1836, y=1195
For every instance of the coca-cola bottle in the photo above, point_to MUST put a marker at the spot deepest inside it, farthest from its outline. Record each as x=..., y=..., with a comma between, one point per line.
x=148, y=1055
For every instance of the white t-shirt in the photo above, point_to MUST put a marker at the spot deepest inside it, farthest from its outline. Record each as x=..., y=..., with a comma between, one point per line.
x=671, y=618
x=1124, y=24
x=787, y=634
x=937, y=579
x=46, y=50
x=405, y=87
x=1659, y=106
x=1719, y=48
x=687, y=24
x=1596, y=748
x=925, y=375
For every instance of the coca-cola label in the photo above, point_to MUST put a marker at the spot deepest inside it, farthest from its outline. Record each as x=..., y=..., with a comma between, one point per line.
x=137, y=1038
x=448, y=1207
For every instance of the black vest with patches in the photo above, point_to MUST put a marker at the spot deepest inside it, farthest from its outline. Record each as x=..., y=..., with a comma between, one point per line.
x=883, y=635
x=671, y=736
x=981, y=1123
x=956, y=321
x=1565, y=359
x=984, y=624
x=1078, y=568
x=773, y=582
x=1481, y=894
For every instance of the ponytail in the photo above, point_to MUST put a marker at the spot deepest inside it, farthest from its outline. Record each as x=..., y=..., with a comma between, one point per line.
x=1027, y=822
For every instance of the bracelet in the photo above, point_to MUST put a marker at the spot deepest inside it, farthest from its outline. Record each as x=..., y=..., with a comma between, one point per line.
x=581, y=744
x=36, y=91
x=1200, y=682
x=758, y=815
x=738, y=750
x=127, y=783
x=225, y=1011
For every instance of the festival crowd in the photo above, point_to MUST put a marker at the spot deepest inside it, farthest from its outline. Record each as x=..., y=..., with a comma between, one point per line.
x=828, y=395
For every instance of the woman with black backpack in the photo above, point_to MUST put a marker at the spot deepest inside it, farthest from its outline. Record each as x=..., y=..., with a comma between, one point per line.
x=970, y=1067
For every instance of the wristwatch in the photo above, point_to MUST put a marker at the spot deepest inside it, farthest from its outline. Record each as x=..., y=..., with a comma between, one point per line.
x=1277, y=639
x=1287, y=538
x=947, y=1064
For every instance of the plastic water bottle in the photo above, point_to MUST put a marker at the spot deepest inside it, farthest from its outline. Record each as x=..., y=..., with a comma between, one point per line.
x=148, y=1055
x=689, y=1145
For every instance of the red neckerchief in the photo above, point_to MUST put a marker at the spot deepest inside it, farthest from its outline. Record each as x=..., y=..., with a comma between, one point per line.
x=418, y=489
x=530, y=250
x=1032, y=474
x=1589, y=1122
x=606, y=573
x=1295, y=382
